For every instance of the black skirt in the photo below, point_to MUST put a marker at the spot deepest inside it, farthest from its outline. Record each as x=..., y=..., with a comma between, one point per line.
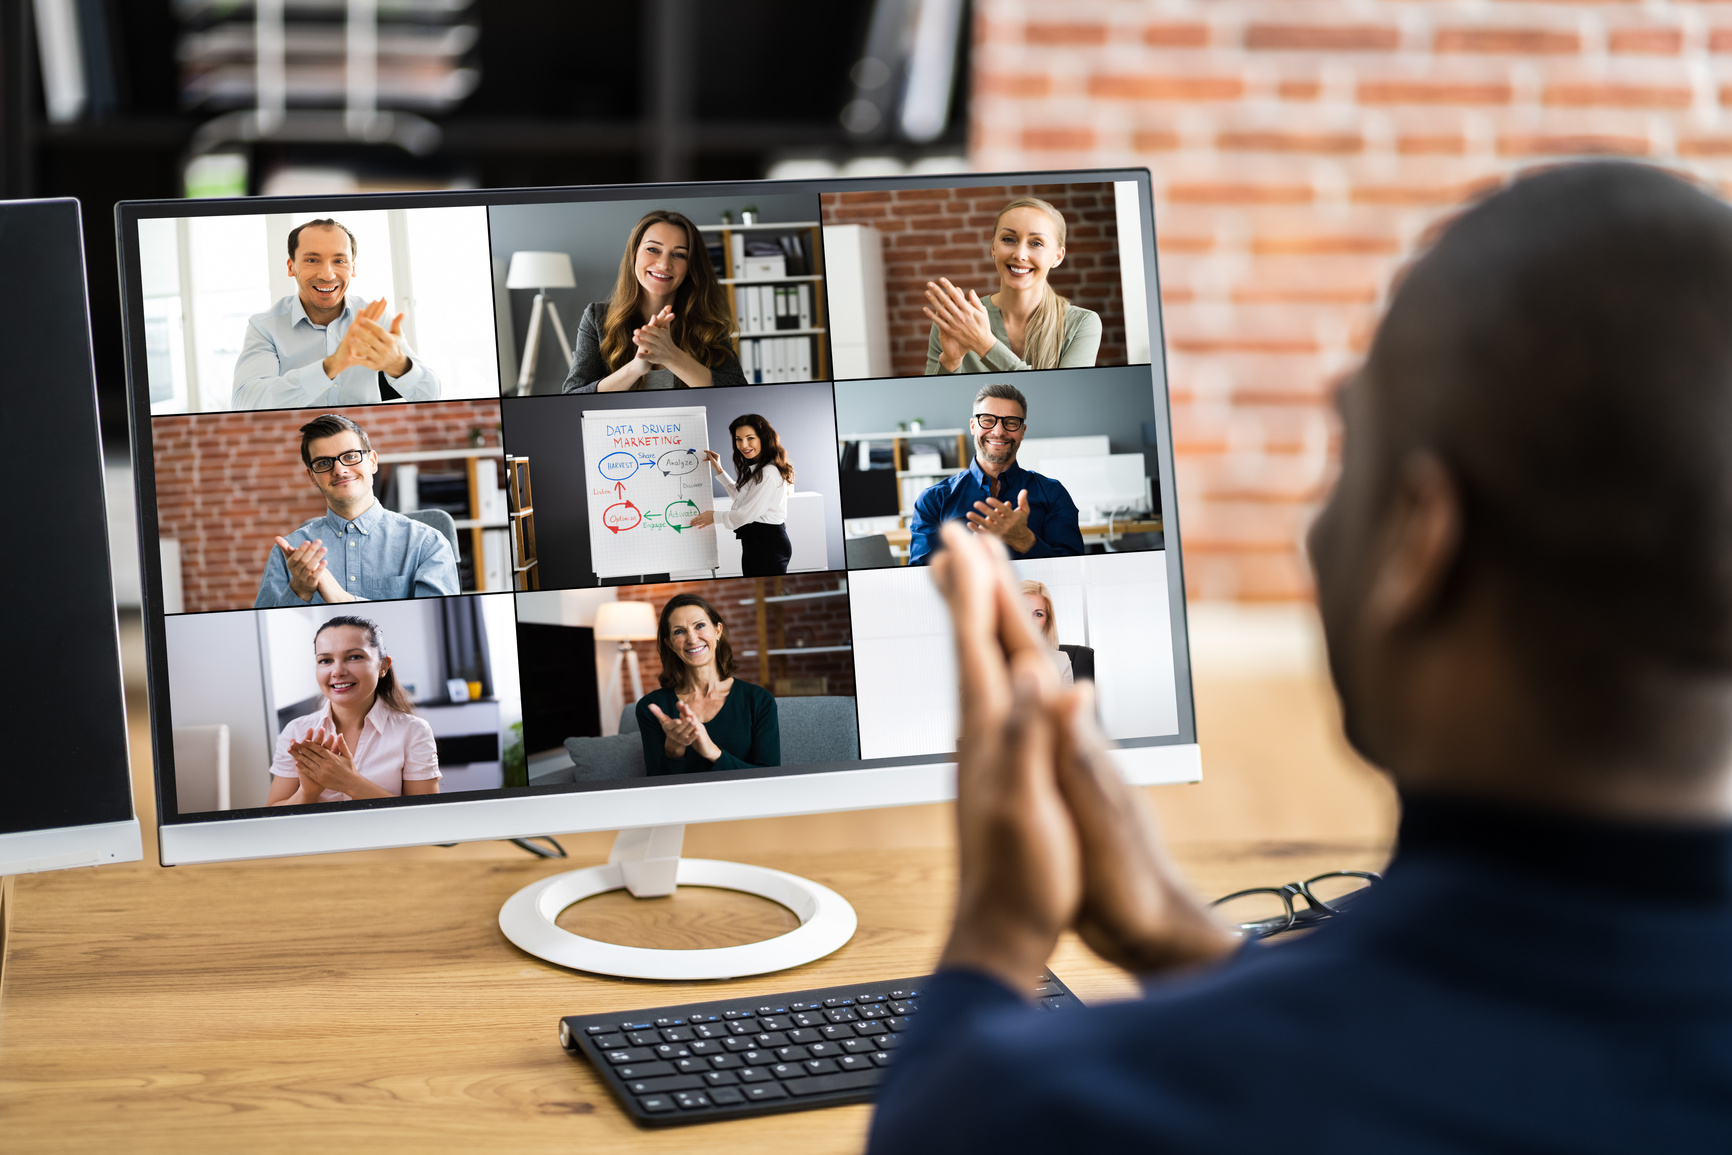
x=764, y=549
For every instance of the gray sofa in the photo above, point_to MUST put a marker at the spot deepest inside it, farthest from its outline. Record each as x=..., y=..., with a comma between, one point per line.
x=812, y=730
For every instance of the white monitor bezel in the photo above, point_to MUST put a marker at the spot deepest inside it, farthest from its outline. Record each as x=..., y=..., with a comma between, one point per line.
x=459, y=819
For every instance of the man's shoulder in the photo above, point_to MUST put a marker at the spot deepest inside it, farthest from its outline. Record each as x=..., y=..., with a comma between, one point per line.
x=308, y=529
x=942, y=488
x=284, y=307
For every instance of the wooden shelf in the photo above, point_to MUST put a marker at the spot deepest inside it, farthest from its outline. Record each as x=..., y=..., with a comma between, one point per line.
x=769, y=280
x=759, y=226
x=780, y=333
x=795, y=597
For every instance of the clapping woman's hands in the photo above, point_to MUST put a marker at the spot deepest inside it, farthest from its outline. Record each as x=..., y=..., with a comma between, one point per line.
x=323, y=760
x=655, y=341
x=686, y=732
x=964, y=326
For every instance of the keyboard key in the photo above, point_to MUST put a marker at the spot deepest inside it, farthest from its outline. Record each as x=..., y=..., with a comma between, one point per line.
x=904, y=1008
x=644, y=1038
x=854, y=1062
x=737, y=1015
x=743, y=1027
x=874, y=1012
x=774, y=1022
x=788, y=1071
x=1053, y=1003
x=836, y=1032
x=825, y=1050
x=676, y=1034
x=871, y=998
x=726, y=1062
x=692, y=1066
x=598, y=1030
x=903, y=994
x=754, y=1075
x=636, y=1026
x=864, y=1030
x=758, y=1058
x=738, y=1043
x=838, y=1002
x=762, y=1091
x=805, y=1007
x=882, y=1058
x=772, y=1010
x=792, y=1054
x=644, y=1070
x=656, y=1104
x=668, y=1083
x=771, y=1039
x=612, y=1042
x=705, y=1047
x=670, y=1022
x=897, y=1024
x=670, y=1051
x=692, y=1100
x=888, y=1042
x=840, y=1081
x=805, y=1035
x=726, y=1096
x=809, y=1019
x=858, y=1046
x=721, y=1079
x=820, y=1066
x=630, y=1055
x=710, y=1031
x=842, y=1015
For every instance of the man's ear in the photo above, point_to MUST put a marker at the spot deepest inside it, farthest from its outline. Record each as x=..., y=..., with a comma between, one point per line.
x=1421, y=542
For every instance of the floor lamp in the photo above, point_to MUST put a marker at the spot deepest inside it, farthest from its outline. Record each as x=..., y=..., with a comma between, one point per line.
x=625, y=623
x=541, y=272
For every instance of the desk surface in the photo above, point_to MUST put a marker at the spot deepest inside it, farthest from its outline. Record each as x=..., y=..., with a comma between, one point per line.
x=370, y=1001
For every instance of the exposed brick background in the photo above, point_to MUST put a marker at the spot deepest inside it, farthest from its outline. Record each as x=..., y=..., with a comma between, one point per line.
x=930, y=233
x=227, y=483
x=815, y=621
x=1299, y=150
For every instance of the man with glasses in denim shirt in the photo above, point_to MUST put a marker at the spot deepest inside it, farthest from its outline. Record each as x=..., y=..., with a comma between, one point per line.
x=359, y=550
x=1032, y=515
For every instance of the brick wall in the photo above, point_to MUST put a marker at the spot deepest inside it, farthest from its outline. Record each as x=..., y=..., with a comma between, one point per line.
x=1299, y=151
x=227, y=483
x=815, y=621
x=931, y=233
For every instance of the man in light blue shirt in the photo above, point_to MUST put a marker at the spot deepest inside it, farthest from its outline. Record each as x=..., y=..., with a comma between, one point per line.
x=320, y=348
x=358, y=550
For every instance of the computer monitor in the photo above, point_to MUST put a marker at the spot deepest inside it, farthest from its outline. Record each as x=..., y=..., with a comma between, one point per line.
x=68, y=797
x=541, y=420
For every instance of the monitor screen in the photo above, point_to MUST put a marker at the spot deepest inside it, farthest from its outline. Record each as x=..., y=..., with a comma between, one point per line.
x=487, y=513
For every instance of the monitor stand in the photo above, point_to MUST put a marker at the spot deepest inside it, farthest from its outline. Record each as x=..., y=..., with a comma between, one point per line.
x=646, y=861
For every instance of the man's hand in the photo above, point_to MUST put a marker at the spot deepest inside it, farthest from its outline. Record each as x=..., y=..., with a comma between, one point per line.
x=1020, y=871
x=331, y=589
x=370, y=345
x=306, y=564
x=1135, y=911
x=1007, y=522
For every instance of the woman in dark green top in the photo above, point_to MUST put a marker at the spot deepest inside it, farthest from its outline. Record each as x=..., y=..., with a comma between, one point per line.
x=702, y=717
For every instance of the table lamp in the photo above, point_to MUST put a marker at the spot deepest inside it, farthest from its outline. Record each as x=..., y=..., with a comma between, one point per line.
x=625, y=623
x=541, y=272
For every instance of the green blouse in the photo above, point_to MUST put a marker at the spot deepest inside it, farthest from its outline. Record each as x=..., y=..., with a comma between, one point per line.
x=1076, y=349
x=745, y=729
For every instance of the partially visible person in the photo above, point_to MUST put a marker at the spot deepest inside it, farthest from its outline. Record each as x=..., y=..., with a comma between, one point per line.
x=1026, y=324
x=1535, y=647
x=1031, y=514
x=365, y=740
x=667, y=325
x=357, y=550
x=703, y=717
x=318, y=347
x=759, y=517
x=1038, y=598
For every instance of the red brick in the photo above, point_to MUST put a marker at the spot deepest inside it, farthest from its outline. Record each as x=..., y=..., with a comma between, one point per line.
x=1033, y=85
x=1176, y=35
x=1434, y=92
x=1239, y=193
x=1581, y=144
x=1299, y=89
x=1187, y=88
x=1047, y=35
x=1323, y=37
x=1270, y=141
x=1058, y=139
x=1154, y=140
x=1507, y=41
x=1617, y=96
x=1646, y=41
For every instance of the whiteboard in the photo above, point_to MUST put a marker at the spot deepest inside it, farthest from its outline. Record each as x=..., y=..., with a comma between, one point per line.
x=647, y=481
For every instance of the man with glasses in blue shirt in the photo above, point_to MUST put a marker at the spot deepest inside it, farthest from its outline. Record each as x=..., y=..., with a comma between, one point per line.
x=1032, y=515
x=358, y=550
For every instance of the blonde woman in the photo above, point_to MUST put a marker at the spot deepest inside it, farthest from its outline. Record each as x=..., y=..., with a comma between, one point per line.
x=1026, y=324
x=1039, y=600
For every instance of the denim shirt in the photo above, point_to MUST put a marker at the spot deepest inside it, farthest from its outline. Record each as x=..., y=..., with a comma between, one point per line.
x=379, y=556
x=280, y=363
x=1052, y=515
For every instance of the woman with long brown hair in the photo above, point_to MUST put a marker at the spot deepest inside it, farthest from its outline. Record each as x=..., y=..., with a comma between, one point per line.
x=667, y=325
x=365, y=740
x=759, y=517
x=1026, y=324
x=703, y=717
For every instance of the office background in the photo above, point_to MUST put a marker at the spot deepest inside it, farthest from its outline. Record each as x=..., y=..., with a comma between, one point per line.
x=594, y=235
x=929, y=233
x=228, y=483
x=549, y=432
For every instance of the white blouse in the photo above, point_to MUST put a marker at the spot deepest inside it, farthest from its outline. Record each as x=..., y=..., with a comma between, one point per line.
x=764, y=498
x=394, y=748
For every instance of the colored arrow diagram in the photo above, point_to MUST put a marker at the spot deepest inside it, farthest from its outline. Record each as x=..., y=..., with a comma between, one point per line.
x=686, y=522
x=625, y=515
x=680, y=461
x=619, y=489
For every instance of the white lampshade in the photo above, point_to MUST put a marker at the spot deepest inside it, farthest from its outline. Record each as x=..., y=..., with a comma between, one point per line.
x=625, y=621
x=540, y=271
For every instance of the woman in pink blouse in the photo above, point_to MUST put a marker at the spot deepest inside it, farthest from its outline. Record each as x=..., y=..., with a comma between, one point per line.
x=365, y=741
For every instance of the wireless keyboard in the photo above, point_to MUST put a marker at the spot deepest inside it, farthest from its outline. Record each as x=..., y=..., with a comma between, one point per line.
x=730, y=1058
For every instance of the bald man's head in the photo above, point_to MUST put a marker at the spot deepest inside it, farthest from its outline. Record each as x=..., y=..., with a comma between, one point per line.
x=1565, y=352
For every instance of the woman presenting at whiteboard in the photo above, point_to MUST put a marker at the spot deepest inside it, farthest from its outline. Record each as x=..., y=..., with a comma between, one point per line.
x=759, y=517
x=667, y=325
x=702, y=717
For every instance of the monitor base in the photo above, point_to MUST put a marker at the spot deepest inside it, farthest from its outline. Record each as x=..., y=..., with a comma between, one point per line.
x=639, y=863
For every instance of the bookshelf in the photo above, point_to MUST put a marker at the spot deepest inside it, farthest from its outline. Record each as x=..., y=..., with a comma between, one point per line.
x=481, y=487
x=811, y=233
x=520, y=499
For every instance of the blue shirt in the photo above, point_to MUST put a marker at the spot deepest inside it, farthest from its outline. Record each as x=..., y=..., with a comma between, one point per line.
x=279, y=366
x=379, y=556
x=1052, y=516
x=1516, y=985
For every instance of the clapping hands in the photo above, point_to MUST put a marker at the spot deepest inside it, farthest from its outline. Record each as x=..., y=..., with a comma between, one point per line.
x=686, y=732
x=655, y=340
x=323, y=762
x=370, y=345
x=964, y=326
